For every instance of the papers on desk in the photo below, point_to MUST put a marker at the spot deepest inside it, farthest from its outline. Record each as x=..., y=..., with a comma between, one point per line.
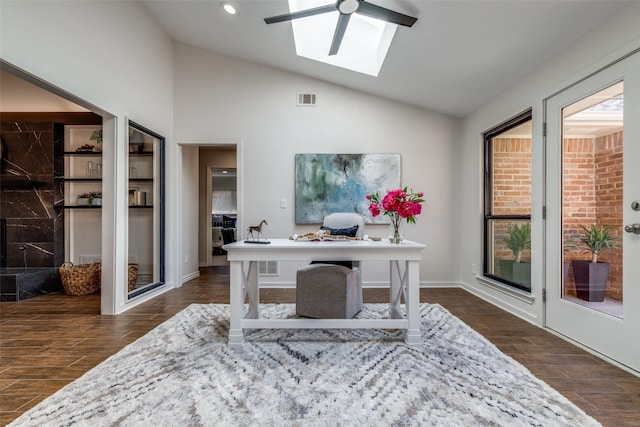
x=322, y=236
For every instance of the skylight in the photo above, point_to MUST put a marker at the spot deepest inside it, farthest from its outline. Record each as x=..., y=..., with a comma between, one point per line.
x=364, y=46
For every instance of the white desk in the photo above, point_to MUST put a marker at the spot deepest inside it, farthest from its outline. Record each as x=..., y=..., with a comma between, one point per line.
x=404, y=281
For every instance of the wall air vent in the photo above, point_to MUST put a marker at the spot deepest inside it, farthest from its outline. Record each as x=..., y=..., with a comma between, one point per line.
x=306, y=99
x=268, y=268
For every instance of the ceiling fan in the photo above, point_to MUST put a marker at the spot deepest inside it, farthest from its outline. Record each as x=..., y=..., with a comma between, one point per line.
x=346, y=9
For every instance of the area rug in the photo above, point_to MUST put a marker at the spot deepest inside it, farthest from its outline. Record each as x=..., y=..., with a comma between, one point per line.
x=182, y=373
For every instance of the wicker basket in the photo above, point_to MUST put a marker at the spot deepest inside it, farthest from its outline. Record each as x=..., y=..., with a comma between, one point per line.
x=81, y=279
x=132, y=275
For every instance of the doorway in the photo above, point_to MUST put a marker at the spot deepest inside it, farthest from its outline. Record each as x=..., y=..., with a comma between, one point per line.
x=30, y=94
x=224, y=212
x=593, y=202
x=218, y=202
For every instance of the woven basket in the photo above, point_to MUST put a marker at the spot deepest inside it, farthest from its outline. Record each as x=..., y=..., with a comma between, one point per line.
x=132, y=275
x=81, y=279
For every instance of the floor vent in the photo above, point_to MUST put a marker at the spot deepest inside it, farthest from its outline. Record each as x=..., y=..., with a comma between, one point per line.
x=268, y=268
x=307, y=99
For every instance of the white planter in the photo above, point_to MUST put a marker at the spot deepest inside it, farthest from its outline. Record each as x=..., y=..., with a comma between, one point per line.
x=97, y=201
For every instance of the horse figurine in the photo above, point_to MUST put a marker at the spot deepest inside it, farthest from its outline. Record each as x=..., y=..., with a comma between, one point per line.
x=257, y=229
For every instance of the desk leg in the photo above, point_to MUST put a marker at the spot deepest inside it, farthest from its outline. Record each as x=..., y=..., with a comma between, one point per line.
x=395, y=290
x=253, y=292
x=412, y=303
x=236, y=303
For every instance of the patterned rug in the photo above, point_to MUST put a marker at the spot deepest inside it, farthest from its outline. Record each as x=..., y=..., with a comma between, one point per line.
x=182, y=373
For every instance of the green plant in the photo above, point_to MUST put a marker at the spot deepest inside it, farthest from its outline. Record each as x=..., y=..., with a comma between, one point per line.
x=518, y=240
x=91, y=195
x=596, y=239
x=96, y=136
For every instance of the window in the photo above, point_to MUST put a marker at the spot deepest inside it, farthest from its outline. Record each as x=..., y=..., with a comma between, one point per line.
x=224, y=202
x=364, y=46
x=507, y=202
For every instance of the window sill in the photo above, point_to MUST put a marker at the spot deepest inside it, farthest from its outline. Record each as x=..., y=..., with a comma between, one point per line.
x=507, y=290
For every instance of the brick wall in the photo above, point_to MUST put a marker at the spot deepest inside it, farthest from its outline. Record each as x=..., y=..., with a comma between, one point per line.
x=592, y=194
x=511, y=189
x=512, y=176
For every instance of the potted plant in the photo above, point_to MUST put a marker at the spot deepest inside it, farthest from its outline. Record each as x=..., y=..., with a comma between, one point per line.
x=518, y=239
x=93, y=198
x=568, y=248
x=591, y=276
x=96, y=136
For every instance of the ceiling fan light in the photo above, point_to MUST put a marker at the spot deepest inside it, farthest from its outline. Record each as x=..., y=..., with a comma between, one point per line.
x=347, y=7
x=229, y=8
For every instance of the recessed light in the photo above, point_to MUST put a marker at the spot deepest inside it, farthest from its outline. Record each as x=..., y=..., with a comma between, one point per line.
x=225, y=171
x=229, y=8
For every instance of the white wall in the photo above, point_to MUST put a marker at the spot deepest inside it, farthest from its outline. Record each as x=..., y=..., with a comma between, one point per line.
x=220, y=98
x=618, y=36
x=114, y=56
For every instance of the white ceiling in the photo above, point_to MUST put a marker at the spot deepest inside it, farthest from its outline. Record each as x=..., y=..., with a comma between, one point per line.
x=457, y=56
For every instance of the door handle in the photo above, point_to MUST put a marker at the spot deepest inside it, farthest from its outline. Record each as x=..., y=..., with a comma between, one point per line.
x=632, y=228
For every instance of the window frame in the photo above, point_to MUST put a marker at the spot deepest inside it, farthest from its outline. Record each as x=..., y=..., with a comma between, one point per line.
x=488, y=216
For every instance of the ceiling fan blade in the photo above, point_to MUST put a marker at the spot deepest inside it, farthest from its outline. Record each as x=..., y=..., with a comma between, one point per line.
x=301, y=14
x=341, y=27
x=377, y=12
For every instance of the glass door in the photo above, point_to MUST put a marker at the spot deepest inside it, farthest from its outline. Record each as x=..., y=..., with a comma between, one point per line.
x=145, y=270
x=593, y=183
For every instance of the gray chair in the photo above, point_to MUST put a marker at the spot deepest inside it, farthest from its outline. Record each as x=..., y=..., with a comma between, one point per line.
x=332, y=289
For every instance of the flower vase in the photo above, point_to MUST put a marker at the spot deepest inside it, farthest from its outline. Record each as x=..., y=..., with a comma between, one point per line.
x=396, y=232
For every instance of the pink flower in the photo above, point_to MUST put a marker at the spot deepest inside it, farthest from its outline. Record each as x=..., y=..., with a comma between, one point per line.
x=405, y=210
x=374, y=208
x=417, y=208
x=391, y=202
x=397, y=203
x=409, y=209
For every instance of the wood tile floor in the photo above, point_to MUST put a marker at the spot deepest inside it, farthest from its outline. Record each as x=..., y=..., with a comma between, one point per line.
x=48, y=341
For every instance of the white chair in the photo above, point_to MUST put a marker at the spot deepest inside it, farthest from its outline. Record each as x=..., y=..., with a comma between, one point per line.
x=332, y=289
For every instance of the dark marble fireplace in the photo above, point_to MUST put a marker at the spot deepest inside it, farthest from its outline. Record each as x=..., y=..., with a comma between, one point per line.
x=26, y=203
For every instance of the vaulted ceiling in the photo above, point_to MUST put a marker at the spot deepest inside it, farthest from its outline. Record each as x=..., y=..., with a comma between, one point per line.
x=456, y=57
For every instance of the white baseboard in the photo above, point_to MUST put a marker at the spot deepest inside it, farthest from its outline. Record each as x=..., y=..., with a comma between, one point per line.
x=501, y=303
x=190, y=276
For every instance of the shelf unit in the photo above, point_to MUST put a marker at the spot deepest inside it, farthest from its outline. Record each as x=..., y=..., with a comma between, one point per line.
x=141, y=172
x=81, y=171
x=78, y=172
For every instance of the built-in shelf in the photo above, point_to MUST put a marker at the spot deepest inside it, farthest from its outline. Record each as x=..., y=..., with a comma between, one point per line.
x=76, y=207
x=59, y=179
x=83, y=153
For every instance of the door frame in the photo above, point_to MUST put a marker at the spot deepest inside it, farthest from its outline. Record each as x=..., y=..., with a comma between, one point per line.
x=553, y=223
x=180, y=183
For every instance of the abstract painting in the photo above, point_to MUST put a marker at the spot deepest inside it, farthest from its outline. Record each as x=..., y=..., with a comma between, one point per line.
x=328, y=183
